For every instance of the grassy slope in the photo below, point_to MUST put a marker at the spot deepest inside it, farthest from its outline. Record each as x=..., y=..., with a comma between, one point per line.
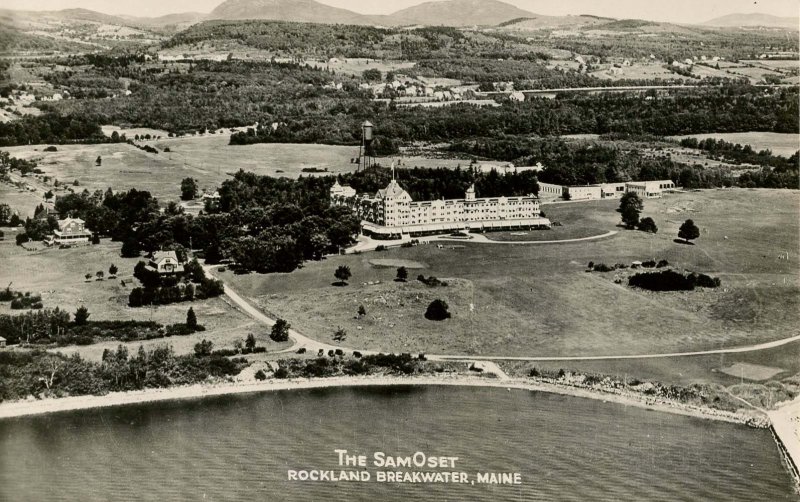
x=537, y=300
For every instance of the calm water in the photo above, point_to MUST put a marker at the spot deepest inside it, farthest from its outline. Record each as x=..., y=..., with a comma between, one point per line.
x=241, y=447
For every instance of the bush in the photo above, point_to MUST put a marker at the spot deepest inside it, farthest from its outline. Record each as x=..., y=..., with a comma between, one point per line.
x=437, y=311
x=431, y=281
x=260, y=375
x=666, y=280
x=648, y=225
x=602, y=267
x=662, y=264
x=649, y=264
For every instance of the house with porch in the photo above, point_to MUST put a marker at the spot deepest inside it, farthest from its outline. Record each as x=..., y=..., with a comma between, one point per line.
x=70, y=232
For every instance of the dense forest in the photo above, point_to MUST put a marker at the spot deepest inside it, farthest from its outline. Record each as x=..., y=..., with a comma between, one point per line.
x=325, y=41
x=726, y=109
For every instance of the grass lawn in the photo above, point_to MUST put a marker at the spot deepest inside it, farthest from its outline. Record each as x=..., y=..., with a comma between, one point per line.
x=577, y=220
x=539, y=301
x=58, y=275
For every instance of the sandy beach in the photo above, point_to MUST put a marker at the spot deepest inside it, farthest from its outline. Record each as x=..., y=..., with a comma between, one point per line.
x=37, y=407
x=785, y=423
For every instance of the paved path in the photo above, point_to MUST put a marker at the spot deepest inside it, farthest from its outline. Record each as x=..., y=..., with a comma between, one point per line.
x=485, y=240
x=367, y=244
x=733, y=350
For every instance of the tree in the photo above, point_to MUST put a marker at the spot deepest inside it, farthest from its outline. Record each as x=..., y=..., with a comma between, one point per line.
x=688, y=231
x=99, y=161
x=343, y=274
x=280, y=331
x=48, y=195
x=372, y=75
x=630, y=205
x=88, y=276
x=648, y=225
x=191, y=319
x=81, y=316
x=250, y=342
x=188, y=189
x=437, y=311
x=340, y=334
x=112, y=270
x=402, y=274
x=630, y=216
x=130, y=248
x=203, y=349
x=100, y=274
x=95, y=238
x=361, y=311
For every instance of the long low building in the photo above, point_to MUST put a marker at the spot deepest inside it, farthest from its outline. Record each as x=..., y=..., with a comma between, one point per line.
x=644, y=189
x=391, y=213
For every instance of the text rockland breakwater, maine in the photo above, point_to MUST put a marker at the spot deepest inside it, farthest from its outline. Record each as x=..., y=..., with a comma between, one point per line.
x=416, y=468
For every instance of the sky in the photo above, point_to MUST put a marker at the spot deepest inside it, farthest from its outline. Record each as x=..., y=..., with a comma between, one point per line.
x=682, y=11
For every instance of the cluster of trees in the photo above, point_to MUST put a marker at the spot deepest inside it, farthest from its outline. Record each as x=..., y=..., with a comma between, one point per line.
x=9, y=163
x=53, y=326
x=162, y=290
x=734, y=152
x=397, y=364
x=44, y=374
x=52, y=128
x=273, y=225
x=437, y=183
x=670, y=280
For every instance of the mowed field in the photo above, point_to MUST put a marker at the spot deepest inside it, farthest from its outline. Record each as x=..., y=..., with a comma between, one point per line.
x=58, y=276
x=538, y=300
x=783, y=144
x=209, y=159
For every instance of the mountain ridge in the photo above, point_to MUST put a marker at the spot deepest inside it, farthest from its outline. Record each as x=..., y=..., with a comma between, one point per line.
x=754, y=19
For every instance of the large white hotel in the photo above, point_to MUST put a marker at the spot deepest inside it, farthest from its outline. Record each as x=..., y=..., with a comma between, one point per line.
x=391, y=213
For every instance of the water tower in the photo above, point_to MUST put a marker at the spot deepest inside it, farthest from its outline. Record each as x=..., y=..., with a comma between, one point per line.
x=365, y=158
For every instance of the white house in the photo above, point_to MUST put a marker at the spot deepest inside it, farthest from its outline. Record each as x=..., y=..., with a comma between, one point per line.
x=165, y=262
x=516, y=96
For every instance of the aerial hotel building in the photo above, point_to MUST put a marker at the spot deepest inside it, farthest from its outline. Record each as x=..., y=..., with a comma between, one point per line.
x=391, y=213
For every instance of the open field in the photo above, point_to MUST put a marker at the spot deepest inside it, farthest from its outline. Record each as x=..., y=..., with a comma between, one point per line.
x=58, y=275
x=23, y=201
x=208, y=158
x=676, y=370
x=780, y=144
x=532, y=300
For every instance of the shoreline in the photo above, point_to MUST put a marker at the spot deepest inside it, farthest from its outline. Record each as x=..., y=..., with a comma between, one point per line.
x=30, y=407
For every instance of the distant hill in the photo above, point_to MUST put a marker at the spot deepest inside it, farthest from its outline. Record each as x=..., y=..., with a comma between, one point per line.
x=182, y=18
x=307, y=11
x=549, y=22
x=458, y=13
x=766, y=20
